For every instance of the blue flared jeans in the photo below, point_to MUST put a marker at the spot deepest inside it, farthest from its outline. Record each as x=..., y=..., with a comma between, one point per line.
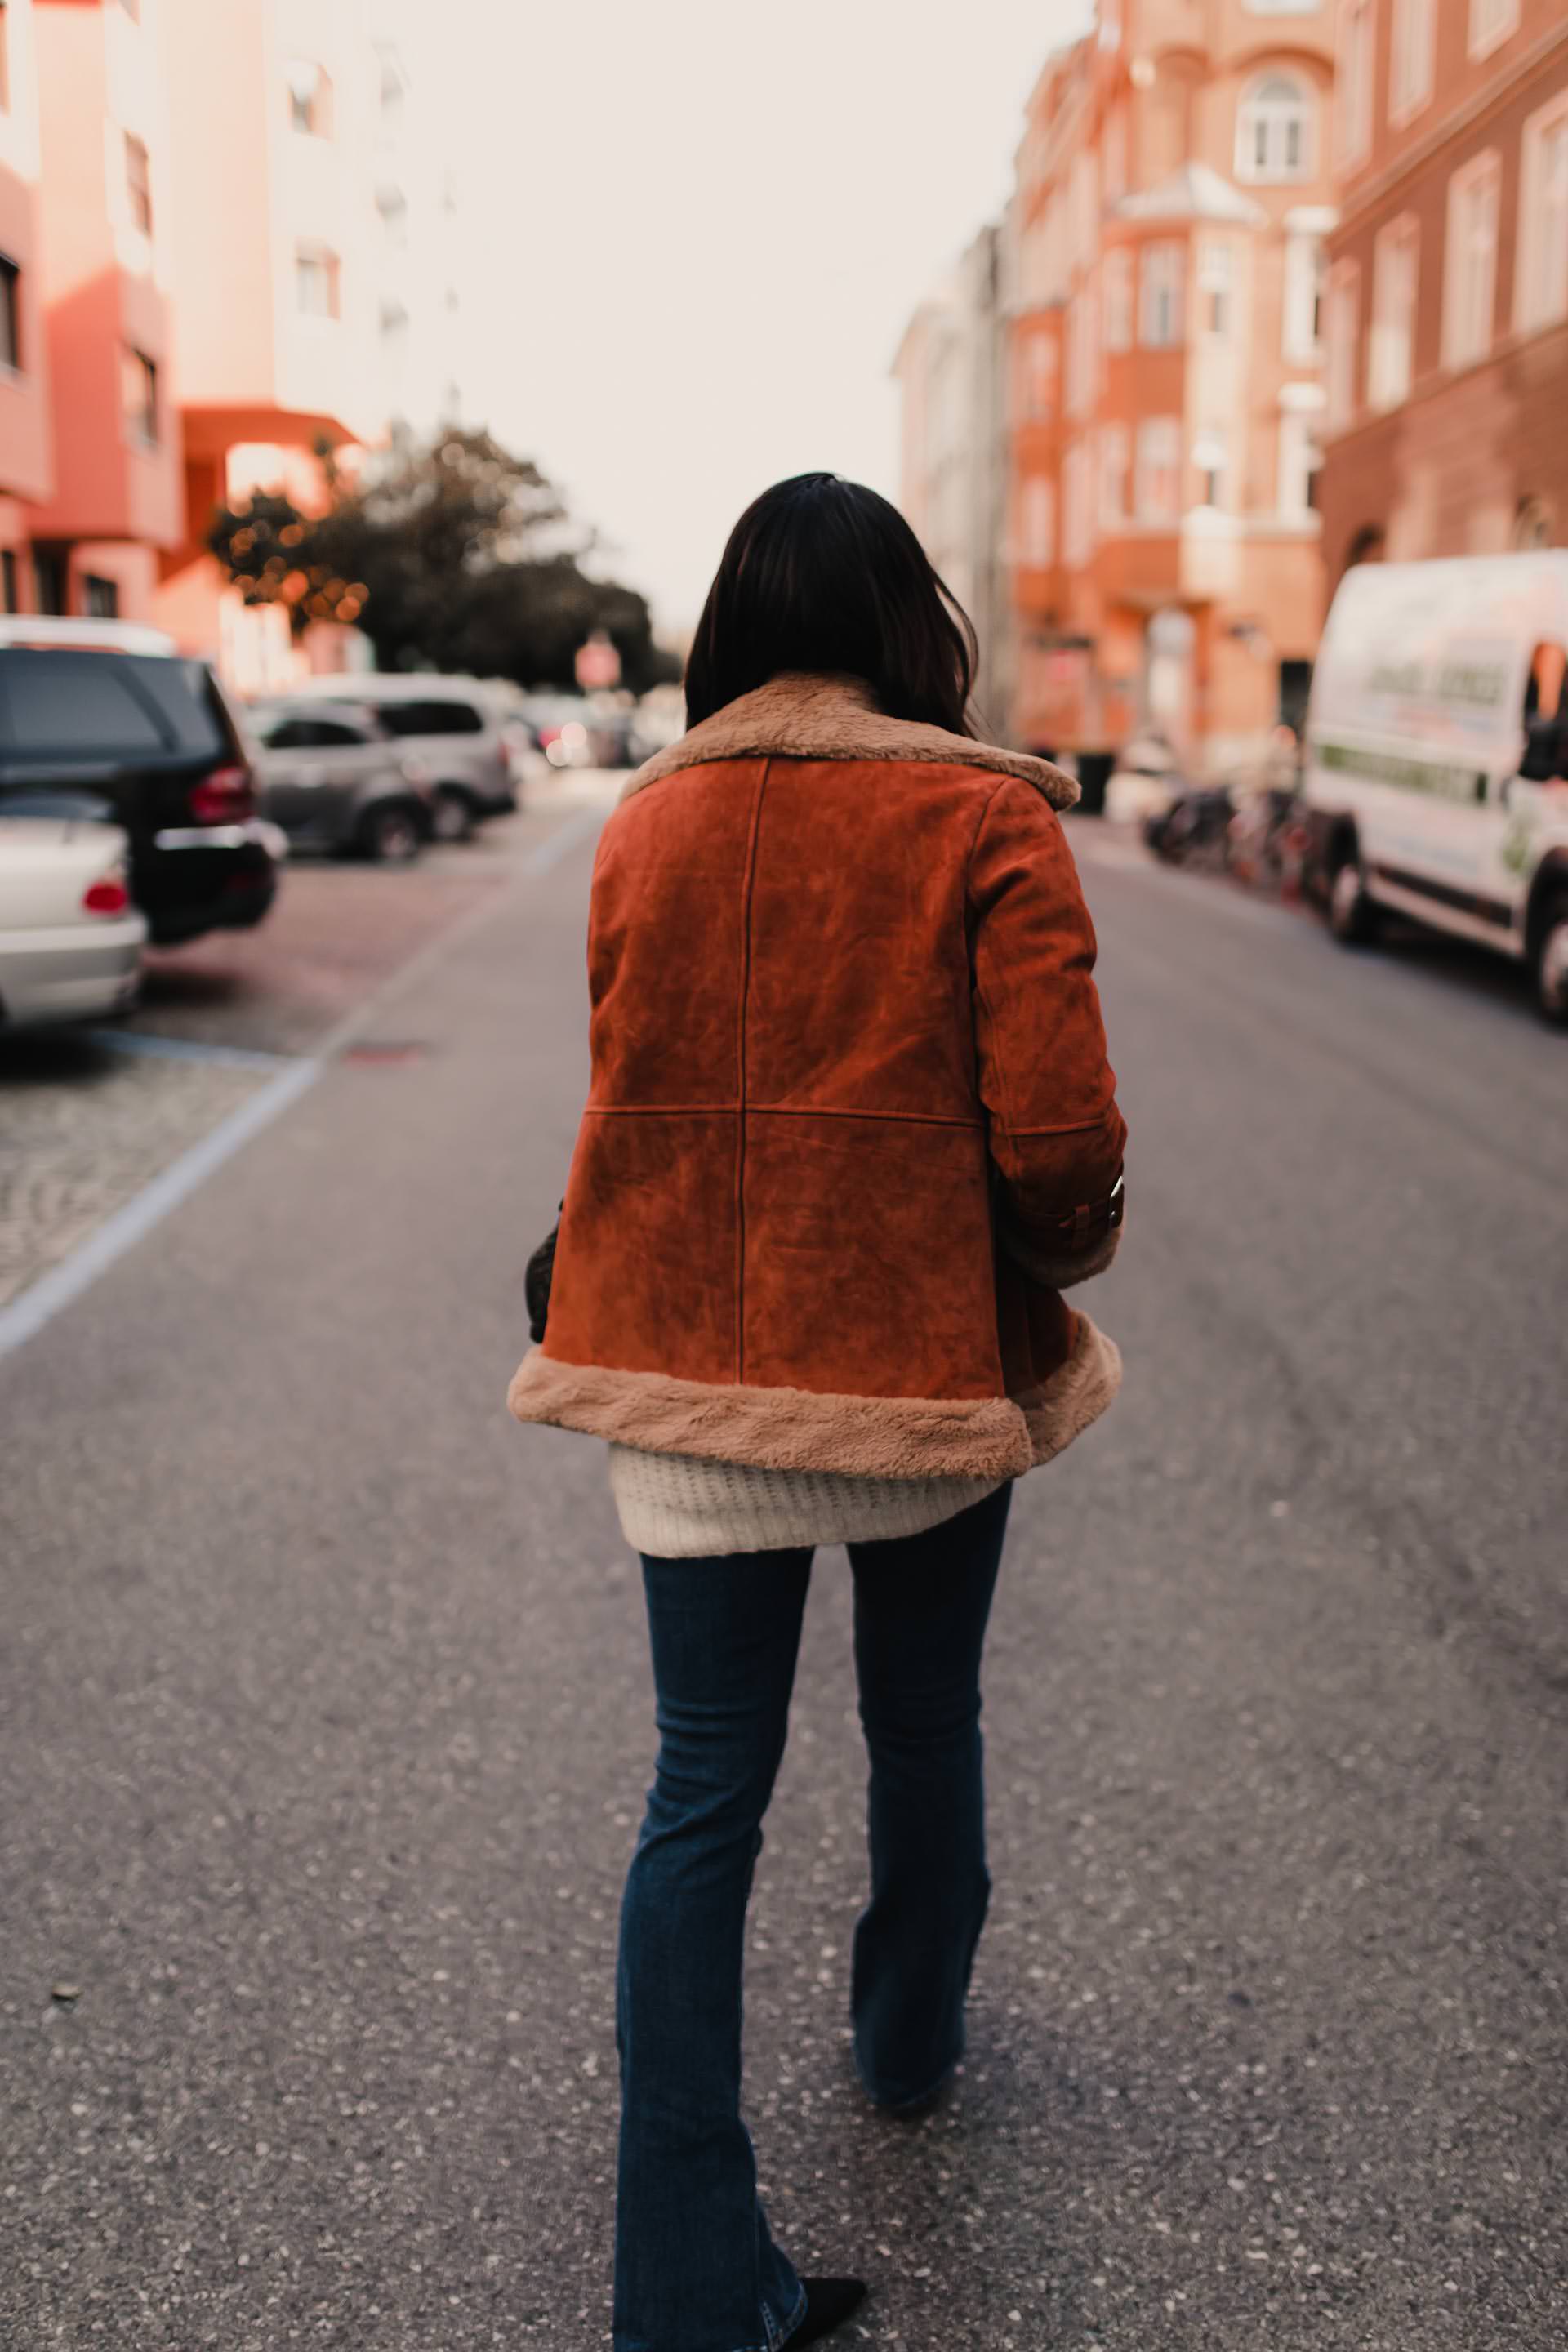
x=695, y=2268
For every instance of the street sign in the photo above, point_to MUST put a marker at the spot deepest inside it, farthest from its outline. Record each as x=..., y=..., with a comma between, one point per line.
x=599, y=664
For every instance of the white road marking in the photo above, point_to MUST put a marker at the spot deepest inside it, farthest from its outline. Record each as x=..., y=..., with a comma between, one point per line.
x=27, y=1315
x=39, y=1304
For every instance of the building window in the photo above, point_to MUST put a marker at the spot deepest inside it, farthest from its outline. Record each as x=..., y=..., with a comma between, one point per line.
x=1115, y=458
x=1410, y=58
x=8, y=600
x=1357, y=34
x=1390, y=354
x=1084, y=202
x=1470, y=277
x=138, y=185
x=316, y=281
x=1217, y=262
x=50, y=580
x=393, y=206
x=1532, y=525
x=1300, y=456
x=1344, y=339
x=139, y=396
x=1160, y=298
x=1083, y=350
x=1113, y=154
x=393, y=334
x=10, y=313
x=309, y=98
x=1491, y=22
x=100, y=598
x=1037, y=522
x=1541, y=275
x=1306, y=291
x=1211, y=456
x=1274, y=130
x=1038, y=378
x=1118, y=281
x=1077, y=505
x=1283, y=8
x=1159, y=485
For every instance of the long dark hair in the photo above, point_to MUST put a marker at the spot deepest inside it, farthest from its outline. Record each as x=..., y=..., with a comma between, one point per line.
x=822, y=574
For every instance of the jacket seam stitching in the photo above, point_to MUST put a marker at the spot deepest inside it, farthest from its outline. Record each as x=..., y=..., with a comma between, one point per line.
x=747, y=894
x=1002, y=1086
x=778, y=1111
x=1073, y=1127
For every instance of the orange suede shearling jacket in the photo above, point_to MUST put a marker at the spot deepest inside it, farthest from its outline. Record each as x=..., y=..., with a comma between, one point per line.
x=850, y=1088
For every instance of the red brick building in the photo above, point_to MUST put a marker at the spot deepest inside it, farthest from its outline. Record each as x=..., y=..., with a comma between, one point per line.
x=1448, y=302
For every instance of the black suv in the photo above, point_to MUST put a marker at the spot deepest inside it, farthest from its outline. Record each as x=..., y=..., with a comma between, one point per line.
x=110, y=710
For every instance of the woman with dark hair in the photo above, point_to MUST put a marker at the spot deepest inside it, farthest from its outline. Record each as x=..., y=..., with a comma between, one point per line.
x=851, y=1134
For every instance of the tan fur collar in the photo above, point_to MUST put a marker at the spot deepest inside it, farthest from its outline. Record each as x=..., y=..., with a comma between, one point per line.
x=799, y=717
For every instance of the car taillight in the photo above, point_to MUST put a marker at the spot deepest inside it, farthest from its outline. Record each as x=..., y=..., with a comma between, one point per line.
x=107, y=896
x=222, y=798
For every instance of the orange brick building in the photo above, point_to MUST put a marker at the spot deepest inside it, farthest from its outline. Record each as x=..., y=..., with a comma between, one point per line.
x=1173, y=199
x=1448, y=291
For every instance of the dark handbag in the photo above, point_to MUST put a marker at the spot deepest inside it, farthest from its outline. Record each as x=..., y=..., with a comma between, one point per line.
x=536, y=1283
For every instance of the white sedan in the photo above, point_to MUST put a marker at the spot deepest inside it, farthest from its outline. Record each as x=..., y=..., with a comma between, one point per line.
x=70, y=940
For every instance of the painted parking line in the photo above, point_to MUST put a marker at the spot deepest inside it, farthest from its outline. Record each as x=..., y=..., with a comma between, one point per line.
x=147, y=1042
x=38, y=1305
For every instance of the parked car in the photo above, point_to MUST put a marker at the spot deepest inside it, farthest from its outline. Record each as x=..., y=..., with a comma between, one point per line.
x=1437, y=766
x=108, y=709
x=470, y=734
x=335, y=777
x=70, y=939
x=576, y=732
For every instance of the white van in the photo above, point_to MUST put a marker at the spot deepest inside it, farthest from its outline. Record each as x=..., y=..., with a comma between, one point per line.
x=1436, y=764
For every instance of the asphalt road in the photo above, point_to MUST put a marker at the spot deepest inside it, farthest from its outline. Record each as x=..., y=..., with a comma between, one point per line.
x=326, y=1718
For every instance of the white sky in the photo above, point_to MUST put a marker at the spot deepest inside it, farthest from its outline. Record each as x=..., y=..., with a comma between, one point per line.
x=697, y=230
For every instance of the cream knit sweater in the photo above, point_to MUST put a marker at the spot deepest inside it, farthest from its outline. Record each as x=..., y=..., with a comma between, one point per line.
x=675, y=1506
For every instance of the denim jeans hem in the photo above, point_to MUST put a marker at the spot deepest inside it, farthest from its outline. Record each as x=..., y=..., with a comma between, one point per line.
x=903, y=2103
x=773, y=2343
x=791, y=2324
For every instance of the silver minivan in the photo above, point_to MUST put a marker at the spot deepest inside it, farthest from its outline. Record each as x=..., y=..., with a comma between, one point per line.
x=467, y=733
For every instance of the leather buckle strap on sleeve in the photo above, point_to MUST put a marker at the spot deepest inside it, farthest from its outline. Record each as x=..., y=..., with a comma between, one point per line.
x=1095, y=1218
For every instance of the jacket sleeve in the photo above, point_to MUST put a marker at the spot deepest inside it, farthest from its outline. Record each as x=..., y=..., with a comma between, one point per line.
x=1056, y=1137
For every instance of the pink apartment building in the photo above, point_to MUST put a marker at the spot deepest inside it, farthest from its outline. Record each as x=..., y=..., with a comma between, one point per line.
x=1173, y=193
x=26, y=448
x=115, y=499
x=280, y=230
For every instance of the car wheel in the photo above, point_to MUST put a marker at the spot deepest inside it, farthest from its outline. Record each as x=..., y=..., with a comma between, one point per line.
x=1352, y=915
x=1552, y=963
x=390, y=835
x=453, y=817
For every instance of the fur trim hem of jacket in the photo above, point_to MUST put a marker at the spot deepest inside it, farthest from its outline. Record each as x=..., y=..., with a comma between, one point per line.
x=797, y=1429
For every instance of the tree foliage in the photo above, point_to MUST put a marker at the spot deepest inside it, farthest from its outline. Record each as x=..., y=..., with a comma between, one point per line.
x=454, y=556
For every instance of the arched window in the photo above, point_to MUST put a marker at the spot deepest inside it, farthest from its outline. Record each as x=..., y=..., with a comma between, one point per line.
x=1274, y=130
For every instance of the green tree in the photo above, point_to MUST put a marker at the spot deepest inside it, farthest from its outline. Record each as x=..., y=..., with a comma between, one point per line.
x=454, y=556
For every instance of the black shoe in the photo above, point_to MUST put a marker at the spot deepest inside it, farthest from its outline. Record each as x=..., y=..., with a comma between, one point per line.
x=828, y=2304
